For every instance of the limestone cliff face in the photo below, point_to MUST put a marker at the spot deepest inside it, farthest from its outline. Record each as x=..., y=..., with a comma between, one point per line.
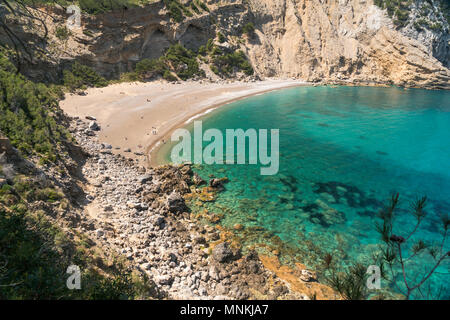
x=350, y=40
x=322, y=40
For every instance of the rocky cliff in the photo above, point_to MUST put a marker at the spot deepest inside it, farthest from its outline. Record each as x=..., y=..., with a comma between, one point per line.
x=350, y=41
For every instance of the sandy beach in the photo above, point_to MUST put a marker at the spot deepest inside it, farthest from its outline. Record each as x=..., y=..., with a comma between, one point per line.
x=136, y=117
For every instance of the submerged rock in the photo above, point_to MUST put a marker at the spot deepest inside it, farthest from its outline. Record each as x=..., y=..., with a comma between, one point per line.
x=218, y=183
x=198, y=181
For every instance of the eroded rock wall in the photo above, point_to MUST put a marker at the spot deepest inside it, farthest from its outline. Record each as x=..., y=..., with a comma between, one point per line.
x=350, y=40
x=321, y=40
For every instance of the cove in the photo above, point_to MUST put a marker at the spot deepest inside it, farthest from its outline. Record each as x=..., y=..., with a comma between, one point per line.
x=343, y=152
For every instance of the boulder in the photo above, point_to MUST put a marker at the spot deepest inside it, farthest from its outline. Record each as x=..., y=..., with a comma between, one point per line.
x=145, y=178
x=89, y=133
x=175, y=203
x=217, y=183
x=94, y=126
x=308, y=276
x=164, y=280
x=198, y=181
x=5, y=145
x=222, y=253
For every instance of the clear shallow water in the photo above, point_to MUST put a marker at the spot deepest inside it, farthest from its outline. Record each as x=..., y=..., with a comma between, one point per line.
x=343, y=152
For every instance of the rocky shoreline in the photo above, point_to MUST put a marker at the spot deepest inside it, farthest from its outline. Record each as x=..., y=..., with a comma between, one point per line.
x=141, y=214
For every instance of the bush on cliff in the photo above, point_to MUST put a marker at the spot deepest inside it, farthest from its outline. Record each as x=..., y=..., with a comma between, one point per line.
x=25, y=113
x=248, y=29
x=81, y=76
x=34, y=257
x=227, y=64
x=177, y=59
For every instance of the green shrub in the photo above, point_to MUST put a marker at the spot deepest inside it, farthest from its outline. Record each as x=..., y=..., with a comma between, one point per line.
x=34, y=256
x=202, y=5
x=177, y=59
x=177, y=10
x=248, y=29
x=399, y=11
x=82, y=76
x=169, y=76
x=25, y=117
x=88, y=33
x=194, y=8
x=129, y=77
x=227, y=64
x=210, y=45
x=101, y=6
x=62, y=33
x=202, y=51
x=183, y=61
x=72, y=82
x=48, y=195
x=221, y=37
x=153, y=66
x=350, y=283
x=215, y=70
x=89, y=76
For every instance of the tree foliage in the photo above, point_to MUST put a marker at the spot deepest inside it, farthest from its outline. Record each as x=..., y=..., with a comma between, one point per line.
x=177, y=59
x=402, y=251
x=25, y=109
x=81, y=76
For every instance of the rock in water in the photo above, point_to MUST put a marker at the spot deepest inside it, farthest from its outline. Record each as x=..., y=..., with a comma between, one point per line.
x=218, y=183
x=198, y=181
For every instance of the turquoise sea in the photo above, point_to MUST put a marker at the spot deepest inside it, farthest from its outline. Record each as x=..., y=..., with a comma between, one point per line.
x=343, y=152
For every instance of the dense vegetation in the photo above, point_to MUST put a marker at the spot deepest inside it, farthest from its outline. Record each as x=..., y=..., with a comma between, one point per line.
x=229, y=63
x=35, y=254
x=91, y=6
x=248, y=29
x=225, y=62
x=25, y=109
x=81, y=76
x=177, y=60
x=177, y=10
x=399, y=11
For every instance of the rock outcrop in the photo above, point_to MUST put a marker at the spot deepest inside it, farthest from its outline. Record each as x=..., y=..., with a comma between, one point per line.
x=339, y=40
